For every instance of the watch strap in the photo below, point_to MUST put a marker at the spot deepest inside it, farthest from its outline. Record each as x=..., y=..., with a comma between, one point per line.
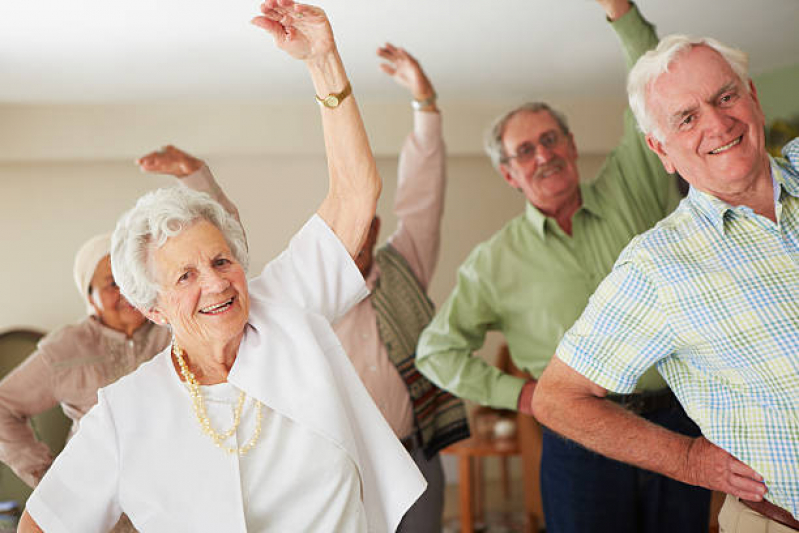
x=332, y=100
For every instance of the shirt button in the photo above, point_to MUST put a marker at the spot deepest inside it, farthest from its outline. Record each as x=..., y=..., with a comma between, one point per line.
x=373, y=368
x=364, y=336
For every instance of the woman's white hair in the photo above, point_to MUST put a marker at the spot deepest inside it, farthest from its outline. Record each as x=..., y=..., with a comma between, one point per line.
x=657, y=62
x=157, y=216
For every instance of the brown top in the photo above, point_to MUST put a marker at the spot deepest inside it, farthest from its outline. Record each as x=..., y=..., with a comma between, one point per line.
x=68, y=367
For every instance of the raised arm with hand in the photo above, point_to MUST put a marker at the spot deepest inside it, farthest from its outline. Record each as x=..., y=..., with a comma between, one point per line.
x=421, y=171
x=304, y=32
x=570, y=404
x=189, y=170
x=407, y=72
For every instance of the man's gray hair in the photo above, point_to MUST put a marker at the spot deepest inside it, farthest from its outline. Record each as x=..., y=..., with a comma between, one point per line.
x=656, y=62
x=157, y=216
x=493, y=136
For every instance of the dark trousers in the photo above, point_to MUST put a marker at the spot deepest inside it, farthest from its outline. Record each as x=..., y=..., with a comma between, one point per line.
x=584, y=492
x=425, y=514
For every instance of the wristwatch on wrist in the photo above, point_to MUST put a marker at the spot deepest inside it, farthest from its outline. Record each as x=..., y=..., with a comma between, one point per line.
x=332, y=100
x=421, y=104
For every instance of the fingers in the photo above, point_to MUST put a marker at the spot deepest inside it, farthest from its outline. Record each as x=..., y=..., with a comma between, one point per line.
x=742, y=469
x=745, y=482
x=392, y=53
x=388, y=69
x=273, y=27
x=151, y=161
x=746, y=489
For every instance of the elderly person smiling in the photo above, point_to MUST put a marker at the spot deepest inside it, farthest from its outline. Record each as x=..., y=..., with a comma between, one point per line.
x=254, y=419
x=72, y=362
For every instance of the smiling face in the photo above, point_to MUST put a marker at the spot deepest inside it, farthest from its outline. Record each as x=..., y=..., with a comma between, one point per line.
x=549, y=178
x=712, y=127
x=202, y=289
x=109, y=305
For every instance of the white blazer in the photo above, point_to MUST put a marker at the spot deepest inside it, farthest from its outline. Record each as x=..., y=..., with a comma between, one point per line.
x=139, y=451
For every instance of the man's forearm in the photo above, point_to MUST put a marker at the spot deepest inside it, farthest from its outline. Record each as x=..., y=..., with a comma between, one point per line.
x=610, y=430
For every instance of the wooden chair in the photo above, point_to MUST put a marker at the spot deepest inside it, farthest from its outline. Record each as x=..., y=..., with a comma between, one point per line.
x=471, y=452
x=51, y=426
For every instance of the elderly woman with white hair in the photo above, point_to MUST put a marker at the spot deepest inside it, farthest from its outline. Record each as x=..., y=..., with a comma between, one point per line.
x=72, y=362
x=254, y=419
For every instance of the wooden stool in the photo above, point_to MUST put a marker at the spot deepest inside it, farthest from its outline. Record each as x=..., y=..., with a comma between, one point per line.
x=470, y=489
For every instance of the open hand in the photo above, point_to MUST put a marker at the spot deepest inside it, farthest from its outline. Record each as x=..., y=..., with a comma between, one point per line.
x=709, y=466
x=170, y=160
x=405, y=70
x=300, y=30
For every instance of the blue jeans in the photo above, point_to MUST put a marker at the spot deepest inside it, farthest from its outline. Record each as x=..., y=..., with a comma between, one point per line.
x=584, y=492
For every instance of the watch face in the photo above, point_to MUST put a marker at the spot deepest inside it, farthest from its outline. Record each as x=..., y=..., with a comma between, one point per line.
x=331, y=100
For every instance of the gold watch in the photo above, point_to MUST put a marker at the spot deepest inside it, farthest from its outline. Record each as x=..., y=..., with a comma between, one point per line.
x=332, y=101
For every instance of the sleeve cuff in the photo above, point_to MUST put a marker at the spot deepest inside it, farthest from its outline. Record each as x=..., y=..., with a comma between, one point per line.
x=427, y=125
x=353, y=283
x=507, y=391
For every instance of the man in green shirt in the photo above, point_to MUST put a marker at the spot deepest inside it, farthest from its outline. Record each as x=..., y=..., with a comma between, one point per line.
x=532, y=280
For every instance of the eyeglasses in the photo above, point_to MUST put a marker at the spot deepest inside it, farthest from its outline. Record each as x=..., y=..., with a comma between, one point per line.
x=526, y=151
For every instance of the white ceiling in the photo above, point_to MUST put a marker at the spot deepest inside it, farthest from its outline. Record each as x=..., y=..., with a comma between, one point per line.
x=59, y=51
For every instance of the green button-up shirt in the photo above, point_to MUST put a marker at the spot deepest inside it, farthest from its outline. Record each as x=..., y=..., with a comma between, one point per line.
x=531, y=280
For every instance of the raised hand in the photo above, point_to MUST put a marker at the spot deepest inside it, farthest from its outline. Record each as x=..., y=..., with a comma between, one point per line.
x=170, y=160
x=406, y=71
x=709, y=466
x=300, y=30
x=614, y=9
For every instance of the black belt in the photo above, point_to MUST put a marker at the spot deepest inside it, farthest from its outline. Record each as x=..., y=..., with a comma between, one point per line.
x=645, y=402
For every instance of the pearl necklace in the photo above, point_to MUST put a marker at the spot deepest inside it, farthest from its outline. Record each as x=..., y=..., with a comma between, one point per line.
x=202, y=414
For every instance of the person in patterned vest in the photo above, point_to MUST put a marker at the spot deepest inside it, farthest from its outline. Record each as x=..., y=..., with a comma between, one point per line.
x=380, y=333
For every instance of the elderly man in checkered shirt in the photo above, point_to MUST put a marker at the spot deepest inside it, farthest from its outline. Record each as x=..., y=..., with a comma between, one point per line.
x=710, y=296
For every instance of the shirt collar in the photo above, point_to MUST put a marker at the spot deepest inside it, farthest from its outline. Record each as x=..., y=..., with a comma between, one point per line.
x=536, y=218
x=715, y=210
x=786, y=172
x=588, y=202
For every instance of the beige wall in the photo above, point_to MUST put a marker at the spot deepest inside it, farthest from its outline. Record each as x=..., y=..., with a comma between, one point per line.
x=50, y=208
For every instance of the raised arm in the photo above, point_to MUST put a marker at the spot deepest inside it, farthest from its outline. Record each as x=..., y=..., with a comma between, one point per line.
x=419, y=200
x=635, y=165
x=570, y=404
x=189, y=171
x=304, y=32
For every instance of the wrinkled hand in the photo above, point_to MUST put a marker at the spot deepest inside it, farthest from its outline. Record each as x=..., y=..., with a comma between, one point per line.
x=170, y=160
x=525, y=402
x=406, y=71
x=709, y=466
x=300, y=30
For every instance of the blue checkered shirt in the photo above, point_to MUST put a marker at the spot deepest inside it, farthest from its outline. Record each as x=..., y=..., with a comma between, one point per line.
x=711, y=297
